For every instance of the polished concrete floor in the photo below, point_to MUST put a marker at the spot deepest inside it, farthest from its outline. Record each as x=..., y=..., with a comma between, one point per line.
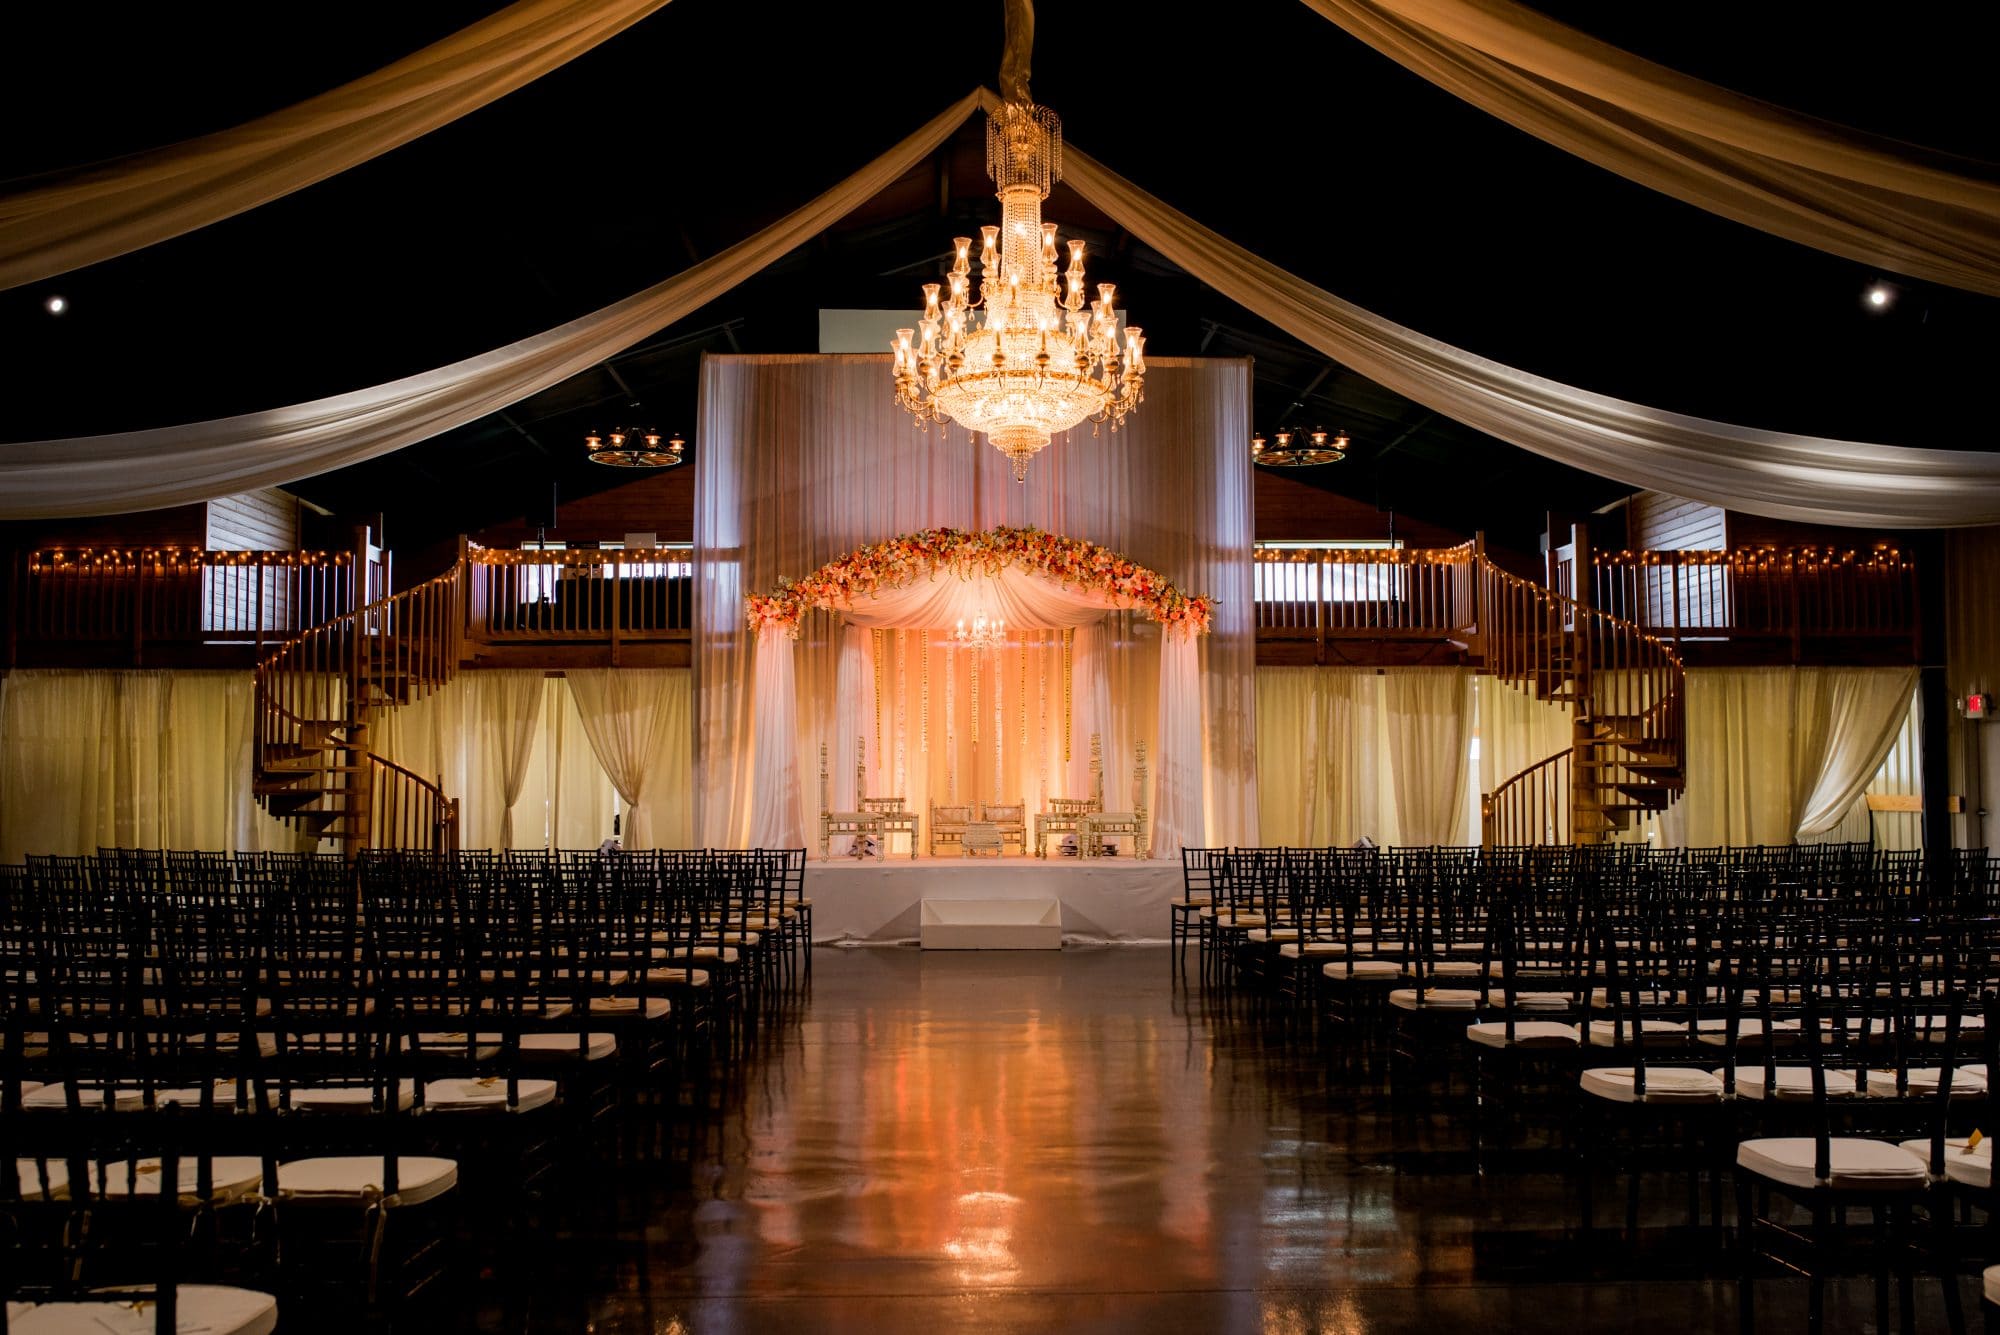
x=1017, y=1142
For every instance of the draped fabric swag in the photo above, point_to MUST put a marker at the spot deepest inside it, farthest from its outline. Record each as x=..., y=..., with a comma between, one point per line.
x=176, y=465
x=806, y=458
x=1759, y=472
x=1837, y=189
x=1806, y=478
x=73, y=218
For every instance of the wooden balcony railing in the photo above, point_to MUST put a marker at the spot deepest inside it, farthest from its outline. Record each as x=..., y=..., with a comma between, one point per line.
x=1318, y=593
x=582, y=595
x=1762, y=594
x=177, y=595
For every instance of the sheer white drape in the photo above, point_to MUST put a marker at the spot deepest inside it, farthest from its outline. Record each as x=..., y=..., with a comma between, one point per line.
x=80, y=217
x=632, y=717
x=1516, y=730
x=1847, y=721
x=128, y=759
x=1777, y=754
x=503, y=715
x=198, y=461
x=1321, y=771
x=1429, y=720
x=1876, y=200
x=806, y=458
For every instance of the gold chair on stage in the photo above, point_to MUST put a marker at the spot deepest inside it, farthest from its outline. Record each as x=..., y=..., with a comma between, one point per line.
x=1011, y=820
x=1064, y=815
x=948, y=826
x=859, y=824
x=1093, y=828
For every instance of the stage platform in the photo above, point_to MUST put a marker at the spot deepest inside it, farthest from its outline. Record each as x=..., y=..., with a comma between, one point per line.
x=1104, y=899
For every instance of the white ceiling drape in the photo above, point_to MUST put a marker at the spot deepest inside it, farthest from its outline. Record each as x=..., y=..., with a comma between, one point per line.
x=66, y=220
x=1807, y=478
x=198, y=461
x=1832, y=187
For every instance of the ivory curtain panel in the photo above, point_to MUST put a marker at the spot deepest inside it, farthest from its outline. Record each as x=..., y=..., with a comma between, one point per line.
x=1828, y=186
x=638, y=724
x=128, y=759
x=1778, y=754
x=67, y=220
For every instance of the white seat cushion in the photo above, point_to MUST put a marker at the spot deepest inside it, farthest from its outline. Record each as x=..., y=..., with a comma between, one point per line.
x=1228, y=918
x=1923, y=1082
x=1269, y=934
x=1715, y=1033
x=678, y=977
x=1856, y=1164
x=656, y=1007
x=1793, y=1083
x=1921, y=1147
x=1527, y=1034
x=1652, y=1033
x=727, y=954
x=1434, y=999
x=231, y=1178
x=1294, y=951
x=595, y=1047
x=1535, y=1001
x=201, y=1309
x=1974, y=1169
x=1363, y=970
x=1460, y=969
x=31, y=1173
x=486, y=1094
x=477, y=1047
x=350, y=1177
x=1664, y=1084
x=348, y=1098
x=1991, y=1284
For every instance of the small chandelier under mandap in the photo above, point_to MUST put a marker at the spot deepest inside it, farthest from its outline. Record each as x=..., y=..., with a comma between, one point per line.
x=1026, y=358
x=623, y=447
x=982, y=634
x=1297, y=449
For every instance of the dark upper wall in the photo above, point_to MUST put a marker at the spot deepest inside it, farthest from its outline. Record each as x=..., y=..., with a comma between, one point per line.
x=661, y=503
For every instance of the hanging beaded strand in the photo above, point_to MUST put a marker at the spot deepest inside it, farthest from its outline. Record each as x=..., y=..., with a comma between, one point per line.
x=1068, y=643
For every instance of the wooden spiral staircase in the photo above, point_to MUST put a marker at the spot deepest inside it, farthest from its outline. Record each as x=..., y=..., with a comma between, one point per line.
x=1625, y=692
x=318, y=697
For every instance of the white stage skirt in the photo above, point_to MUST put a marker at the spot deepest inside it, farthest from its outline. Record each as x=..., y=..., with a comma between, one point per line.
x=875, y=901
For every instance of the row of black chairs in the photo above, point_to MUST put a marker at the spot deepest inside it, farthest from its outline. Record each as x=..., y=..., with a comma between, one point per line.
x=1815, y=1022
x=309, y=1049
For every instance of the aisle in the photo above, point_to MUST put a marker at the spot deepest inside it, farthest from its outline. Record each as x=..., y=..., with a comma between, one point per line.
x=976, y=1142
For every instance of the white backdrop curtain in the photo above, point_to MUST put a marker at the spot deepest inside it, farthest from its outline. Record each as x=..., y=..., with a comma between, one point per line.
x=1428, y=714
x=66, y=220
x=1322, y=768
x=1516, y=730
x=1773, y=754
x=633, y=717
x=1847, y=721
x=128, y=759
x=1760, y=472
x=1828, y=186
x=503, y=715
x=806, y=458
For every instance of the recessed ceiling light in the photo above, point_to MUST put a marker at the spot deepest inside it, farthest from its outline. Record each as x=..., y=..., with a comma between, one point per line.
x=55, y=305
x=1880, y=297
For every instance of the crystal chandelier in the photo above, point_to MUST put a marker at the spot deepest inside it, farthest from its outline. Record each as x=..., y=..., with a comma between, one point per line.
x=1298, y=449
x=1026, y=358
x=623, y=447
x=983, y=634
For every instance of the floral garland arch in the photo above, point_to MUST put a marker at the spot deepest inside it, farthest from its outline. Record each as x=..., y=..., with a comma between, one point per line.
x=900, y=562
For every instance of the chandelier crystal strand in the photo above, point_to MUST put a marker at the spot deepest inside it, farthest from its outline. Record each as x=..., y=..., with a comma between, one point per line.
x=1027, y=356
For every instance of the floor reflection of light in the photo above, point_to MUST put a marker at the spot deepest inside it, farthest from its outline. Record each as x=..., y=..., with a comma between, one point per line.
x=983, y=1242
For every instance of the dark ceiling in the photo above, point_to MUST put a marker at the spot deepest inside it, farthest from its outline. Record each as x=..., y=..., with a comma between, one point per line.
x=714, y=117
